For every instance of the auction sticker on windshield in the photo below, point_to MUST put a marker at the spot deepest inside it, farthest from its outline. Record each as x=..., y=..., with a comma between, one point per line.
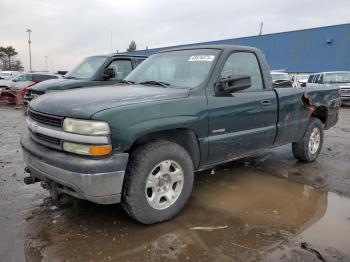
x=196, y=58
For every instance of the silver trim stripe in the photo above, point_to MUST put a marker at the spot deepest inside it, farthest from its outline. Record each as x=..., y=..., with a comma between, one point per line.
x=36, y=127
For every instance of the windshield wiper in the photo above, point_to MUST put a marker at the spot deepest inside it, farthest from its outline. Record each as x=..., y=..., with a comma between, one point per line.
x=126, y=82
x=70, y=77
x=157, y=83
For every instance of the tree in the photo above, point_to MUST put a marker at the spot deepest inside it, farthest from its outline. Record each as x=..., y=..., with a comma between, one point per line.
x=7, y=59
x=132, y=46
x=7, y=53
x=16, y=65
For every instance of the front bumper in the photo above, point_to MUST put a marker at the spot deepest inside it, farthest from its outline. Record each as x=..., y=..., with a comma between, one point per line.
x=99, y=180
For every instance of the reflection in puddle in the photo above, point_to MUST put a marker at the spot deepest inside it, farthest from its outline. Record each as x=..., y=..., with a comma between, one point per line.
x=249, y=215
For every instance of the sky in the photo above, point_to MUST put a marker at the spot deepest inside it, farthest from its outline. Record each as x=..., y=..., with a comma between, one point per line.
x=68, y=31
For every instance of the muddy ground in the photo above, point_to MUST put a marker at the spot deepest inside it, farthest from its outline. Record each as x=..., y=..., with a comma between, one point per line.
x=265, y=208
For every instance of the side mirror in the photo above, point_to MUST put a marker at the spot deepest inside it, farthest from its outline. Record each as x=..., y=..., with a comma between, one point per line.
x=108, y=73
x=233, y=84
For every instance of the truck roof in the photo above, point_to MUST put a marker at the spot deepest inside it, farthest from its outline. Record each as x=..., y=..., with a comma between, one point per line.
x=126, y=55
x=119, y=55
x=220, y=47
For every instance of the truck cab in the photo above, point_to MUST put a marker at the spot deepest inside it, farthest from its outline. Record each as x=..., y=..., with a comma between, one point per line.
x=98, y=70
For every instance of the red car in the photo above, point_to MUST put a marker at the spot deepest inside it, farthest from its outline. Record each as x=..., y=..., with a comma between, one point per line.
x=15, y=89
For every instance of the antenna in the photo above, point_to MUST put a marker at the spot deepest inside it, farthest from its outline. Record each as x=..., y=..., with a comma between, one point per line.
x=261, y=28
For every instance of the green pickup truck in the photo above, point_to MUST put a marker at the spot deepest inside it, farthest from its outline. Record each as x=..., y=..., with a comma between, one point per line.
x=100, y=70
x=180, y=111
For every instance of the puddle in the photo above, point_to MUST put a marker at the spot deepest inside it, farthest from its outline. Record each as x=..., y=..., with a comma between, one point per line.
x=238, y=214
x=333, y=229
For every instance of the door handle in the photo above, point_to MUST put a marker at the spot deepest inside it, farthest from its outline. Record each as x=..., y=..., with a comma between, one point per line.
x=265, y=103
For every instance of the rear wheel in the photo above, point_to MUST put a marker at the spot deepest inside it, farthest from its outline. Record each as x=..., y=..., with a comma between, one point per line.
x=158, y=182
x=310, y=146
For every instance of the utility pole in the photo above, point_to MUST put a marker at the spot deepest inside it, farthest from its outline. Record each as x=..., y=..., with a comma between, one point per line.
x=46, y=63
x=30, y=51
x=261, y=28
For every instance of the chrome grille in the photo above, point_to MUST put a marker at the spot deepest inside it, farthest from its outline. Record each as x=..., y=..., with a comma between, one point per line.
x=45, y=119
x=48, y=141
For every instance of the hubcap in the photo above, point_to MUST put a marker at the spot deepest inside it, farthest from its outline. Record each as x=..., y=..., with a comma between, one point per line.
x=314, y=141
x=164, y=184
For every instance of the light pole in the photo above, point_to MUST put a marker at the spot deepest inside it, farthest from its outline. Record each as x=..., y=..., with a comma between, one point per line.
x=30, y=51
x=46, y=63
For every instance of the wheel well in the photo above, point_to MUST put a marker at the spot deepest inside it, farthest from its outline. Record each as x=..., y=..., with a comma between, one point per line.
x=184, y=137
x=321, y=113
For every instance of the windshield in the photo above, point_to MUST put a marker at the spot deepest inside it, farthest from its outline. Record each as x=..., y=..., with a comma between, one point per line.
x=24, y=77
x=337, y=77
x=183, y=68
x=87, y=68
x=276, y=77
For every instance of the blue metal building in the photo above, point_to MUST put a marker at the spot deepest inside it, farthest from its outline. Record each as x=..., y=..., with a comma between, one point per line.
x=308, y=50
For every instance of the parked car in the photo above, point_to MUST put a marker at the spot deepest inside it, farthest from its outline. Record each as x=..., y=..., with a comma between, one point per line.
x=300, y=80
x=340, y=79
x=5, y=75
x=180, y=111
x=92, y=71
x=16, y=88
x=281, y=79
x=5, y=83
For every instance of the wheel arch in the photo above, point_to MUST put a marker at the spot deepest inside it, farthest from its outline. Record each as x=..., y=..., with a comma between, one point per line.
x=321, y=112
x=185, y=137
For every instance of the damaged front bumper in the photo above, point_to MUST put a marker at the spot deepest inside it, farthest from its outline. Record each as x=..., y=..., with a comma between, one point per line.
x=98, y=180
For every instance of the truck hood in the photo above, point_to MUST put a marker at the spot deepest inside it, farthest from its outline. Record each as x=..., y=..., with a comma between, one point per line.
x=84, y=102
x=56, y=84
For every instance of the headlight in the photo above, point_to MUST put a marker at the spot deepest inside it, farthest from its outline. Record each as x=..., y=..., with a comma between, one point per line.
x=85, y=127
x=90, y=150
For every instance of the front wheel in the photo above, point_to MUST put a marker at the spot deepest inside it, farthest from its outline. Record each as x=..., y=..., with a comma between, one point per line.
x=308, y=149
x=158, y=182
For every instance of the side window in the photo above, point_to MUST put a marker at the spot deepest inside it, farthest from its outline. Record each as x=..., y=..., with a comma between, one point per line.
x=244, y=63
x=121, y=68
x=320, y=80
x=314, y=78
x=309, y=80
x=37, y=78
x=317, y=79
x=138, y=61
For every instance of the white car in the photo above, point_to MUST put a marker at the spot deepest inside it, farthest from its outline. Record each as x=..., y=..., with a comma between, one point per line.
x=281, y=79
x=8, y=74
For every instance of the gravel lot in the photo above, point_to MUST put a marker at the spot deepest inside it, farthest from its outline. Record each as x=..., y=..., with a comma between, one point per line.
x=267, y=208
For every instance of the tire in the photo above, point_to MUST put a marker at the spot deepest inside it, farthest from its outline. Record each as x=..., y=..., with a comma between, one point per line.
x=148, y=164
x=308, y=149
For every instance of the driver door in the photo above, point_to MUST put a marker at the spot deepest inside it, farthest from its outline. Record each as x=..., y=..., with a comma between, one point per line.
x=244, y=121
